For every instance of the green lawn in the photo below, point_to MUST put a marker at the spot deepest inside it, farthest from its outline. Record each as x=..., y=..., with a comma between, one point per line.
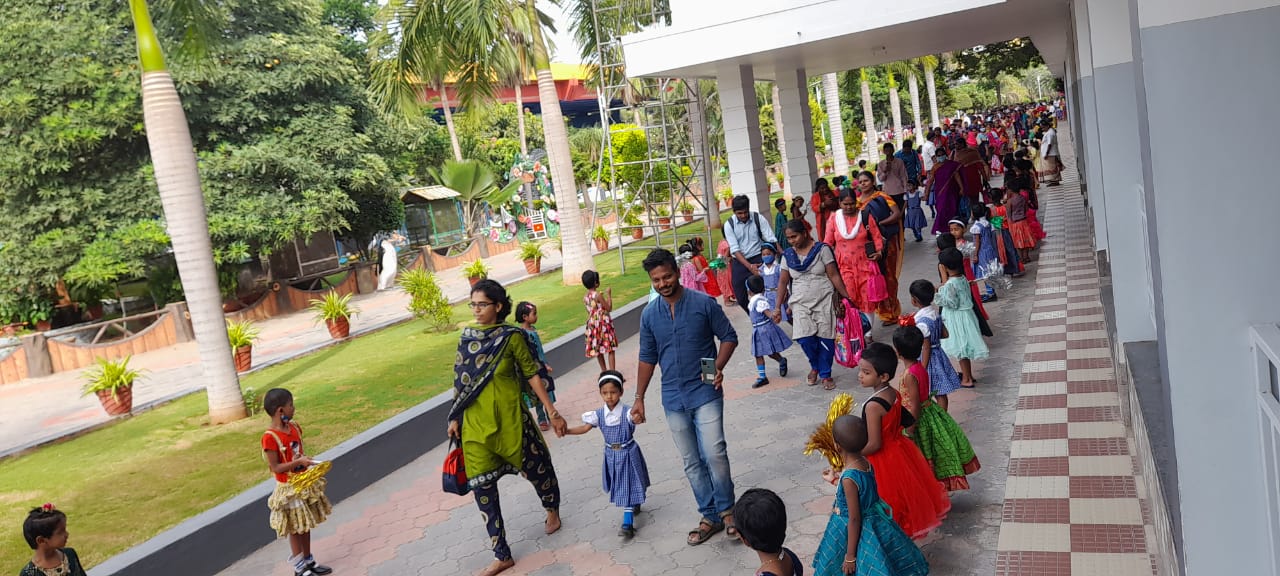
x=128, y=482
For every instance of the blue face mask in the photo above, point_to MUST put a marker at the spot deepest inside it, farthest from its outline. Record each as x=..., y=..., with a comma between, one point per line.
x=767, y=259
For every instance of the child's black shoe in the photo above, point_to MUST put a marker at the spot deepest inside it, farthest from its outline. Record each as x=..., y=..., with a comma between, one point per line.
x=319, y=569
x=782, y=368
x=627, y=531
x=760, y=382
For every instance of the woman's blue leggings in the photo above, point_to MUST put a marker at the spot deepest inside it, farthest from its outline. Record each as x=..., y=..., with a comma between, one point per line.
x=820, y=352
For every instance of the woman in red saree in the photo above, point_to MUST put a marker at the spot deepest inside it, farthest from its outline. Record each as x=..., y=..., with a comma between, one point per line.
x=848, y=232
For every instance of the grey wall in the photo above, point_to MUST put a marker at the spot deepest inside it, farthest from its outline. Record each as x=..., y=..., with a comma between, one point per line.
x=1211, y=88
x=1121, y=165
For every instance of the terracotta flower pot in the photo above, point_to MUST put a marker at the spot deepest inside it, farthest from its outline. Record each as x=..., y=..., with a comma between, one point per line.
x=688, y=216
x=44, y=325
x=339, y=328
x=475, y=280
x=533, y=266
x=664, y=222
x=244, y=358
x=637, y=233
x=601, y=245
x=95, y=312
x=119, y=403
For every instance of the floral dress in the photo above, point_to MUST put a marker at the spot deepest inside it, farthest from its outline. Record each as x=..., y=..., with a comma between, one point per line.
x=600, y=336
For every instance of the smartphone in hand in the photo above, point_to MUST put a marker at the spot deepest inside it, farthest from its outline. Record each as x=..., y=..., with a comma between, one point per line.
x=709, y=371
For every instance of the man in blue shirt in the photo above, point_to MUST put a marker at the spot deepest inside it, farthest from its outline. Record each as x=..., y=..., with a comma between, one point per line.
x=746, y=232
x=677, y=331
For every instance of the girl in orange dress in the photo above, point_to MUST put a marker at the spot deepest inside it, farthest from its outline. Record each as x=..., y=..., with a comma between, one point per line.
x=848, y=232
x=904, y=478
x=723, y=279
x=712, y=286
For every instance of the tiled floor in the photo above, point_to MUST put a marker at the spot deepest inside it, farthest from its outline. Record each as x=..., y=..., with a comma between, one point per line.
x=1072, y=506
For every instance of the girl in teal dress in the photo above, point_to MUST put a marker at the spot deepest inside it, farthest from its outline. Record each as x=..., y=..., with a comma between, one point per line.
x=861, y=536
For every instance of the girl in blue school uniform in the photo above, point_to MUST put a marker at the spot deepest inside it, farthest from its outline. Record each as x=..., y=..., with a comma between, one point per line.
x=625, y=475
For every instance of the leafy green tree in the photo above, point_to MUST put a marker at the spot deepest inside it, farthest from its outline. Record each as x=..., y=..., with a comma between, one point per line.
x=985, y=63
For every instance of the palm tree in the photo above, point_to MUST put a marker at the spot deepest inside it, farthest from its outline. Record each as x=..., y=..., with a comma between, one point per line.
x=178, y=180
x=428, y=50
x=867, y=118
x=930, y=63
x=892, y=70
x=831, y=93
x=915, y=99
x=577, y=256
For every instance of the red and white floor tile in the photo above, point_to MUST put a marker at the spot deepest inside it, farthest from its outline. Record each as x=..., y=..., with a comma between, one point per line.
x=1073, y=502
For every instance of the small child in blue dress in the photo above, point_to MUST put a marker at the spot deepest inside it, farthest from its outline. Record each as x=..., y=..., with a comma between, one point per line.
x=914, y=218
x=527, y=316
x=771, y=271
x=861, y=536
x=761, y=518
x=767, y=339
x=625, y=475
x=943, y=378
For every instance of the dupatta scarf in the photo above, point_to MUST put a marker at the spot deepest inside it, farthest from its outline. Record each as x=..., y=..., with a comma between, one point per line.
x=479, y=351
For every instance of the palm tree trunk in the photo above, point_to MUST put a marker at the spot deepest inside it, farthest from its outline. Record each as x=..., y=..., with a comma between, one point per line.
x=782, y=141
x=448, y=122
x=524, y=138
x=895, y=104
x=178, y=180
x=577, y=256
x=933, y=95
x=831, y=92
x=914, y=86
x=868, y=120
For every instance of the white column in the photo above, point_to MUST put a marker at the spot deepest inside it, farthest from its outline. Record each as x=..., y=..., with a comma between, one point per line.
x=742, y=142
x=793, y=95
x=1121, y=162
x=778, y=131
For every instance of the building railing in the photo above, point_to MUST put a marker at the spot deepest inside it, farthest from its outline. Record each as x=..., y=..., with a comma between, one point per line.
x=1266, y=352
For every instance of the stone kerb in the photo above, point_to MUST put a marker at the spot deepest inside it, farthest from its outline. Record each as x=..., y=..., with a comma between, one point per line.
x=217, y=538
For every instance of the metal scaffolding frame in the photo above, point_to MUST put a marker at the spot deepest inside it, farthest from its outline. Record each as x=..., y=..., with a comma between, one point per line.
x=670, y=114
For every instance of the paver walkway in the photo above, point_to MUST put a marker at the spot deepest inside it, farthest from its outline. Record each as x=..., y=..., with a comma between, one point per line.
x=1074, y=505
x=39, y=409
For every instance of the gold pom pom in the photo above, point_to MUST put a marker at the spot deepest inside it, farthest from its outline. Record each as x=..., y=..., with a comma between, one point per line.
x=822, y=440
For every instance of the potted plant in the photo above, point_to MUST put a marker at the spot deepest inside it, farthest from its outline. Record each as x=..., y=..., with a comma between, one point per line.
x=664, y=216
x=242, y=335
x=634, y=222
x=475, y=271
x=39, y=314
x=601, y=237
x=336, y=312
x=112, y=382
x=725, y=196
x=531, y=254
x=686, y=210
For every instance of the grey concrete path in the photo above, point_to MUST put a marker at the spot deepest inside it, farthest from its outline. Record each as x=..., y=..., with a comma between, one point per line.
x=40, y=409
x=405, y=525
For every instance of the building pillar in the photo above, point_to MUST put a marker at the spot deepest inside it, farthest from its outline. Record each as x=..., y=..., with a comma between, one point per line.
x=802, y=167
x=1087, y=138
x=1124, y=187
x=742, y=141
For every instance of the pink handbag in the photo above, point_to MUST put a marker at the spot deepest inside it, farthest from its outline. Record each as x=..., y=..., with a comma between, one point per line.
x=877, y=290
x=850, y=339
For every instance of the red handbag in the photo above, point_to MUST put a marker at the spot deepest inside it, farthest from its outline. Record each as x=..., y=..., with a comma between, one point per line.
x=454, y=471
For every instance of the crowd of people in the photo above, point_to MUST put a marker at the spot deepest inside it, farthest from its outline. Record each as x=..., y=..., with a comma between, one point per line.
x=829, y=277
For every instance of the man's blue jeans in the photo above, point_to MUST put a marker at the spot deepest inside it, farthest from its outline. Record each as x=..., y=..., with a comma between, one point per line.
x=699, y=435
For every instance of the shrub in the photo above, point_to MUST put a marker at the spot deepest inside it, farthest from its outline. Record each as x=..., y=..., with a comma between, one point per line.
x=426, y=300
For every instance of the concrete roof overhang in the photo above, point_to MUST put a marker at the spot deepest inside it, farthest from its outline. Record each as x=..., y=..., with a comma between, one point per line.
x=815, y=36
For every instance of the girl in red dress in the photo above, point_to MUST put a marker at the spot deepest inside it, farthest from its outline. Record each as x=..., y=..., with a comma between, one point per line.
x=903, y=476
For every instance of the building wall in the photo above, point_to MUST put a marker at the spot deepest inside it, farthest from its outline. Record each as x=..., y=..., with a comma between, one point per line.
x=1208, y=74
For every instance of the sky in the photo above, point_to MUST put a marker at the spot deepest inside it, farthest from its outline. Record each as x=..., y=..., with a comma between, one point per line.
x=566, y=48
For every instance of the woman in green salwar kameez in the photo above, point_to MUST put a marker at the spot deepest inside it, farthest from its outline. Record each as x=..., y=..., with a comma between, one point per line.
x=494, y=366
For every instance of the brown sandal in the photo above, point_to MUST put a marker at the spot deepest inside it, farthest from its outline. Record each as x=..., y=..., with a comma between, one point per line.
x=828, y=384
x=812, y=378
x=704, y=532
x=729, y=528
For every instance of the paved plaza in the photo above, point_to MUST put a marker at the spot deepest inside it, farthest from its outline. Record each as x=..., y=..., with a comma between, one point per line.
x=1066, y=503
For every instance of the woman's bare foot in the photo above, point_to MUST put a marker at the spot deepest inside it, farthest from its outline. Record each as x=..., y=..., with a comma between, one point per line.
x=553, y=522
x=498, y=567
